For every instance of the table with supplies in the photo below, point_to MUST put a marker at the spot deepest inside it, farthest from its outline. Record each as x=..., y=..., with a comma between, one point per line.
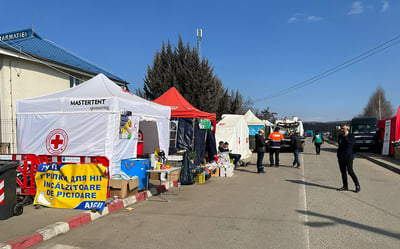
x=167, y=171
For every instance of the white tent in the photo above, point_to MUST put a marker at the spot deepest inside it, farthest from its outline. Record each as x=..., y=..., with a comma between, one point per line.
x=95, y=118
x=253, y=122
x=234, y=130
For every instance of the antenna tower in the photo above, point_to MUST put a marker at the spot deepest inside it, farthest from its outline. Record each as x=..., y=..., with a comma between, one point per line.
x=199, y=35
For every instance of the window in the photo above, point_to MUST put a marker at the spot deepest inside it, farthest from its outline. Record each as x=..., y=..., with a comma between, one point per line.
x=74, y=81
x=173, y=133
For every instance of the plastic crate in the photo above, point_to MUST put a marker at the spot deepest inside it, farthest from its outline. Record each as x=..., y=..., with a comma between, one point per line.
x=200, y=178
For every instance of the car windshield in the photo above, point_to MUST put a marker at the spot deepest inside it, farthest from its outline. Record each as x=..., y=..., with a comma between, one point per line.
x=363, y=129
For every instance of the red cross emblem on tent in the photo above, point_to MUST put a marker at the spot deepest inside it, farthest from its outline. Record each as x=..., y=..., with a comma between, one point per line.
x=56, y=141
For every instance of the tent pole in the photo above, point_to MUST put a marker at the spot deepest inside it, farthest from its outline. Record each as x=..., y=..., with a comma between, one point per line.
x=193, y=124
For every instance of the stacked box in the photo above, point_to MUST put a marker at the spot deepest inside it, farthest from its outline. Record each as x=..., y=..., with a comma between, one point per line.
x=222, y=172
x=123, y=188
x=229, y=172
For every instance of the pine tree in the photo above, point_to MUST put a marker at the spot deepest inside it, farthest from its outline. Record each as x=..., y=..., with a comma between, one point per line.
x=193, y=78
x=378, y=106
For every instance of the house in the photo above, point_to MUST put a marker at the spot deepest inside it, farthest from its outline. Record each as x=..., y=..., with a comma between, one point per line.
x=32, y=66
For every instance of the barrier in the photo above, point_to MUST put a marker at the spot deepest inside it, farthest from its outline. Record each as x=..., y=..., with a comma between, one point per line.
x=26, y=170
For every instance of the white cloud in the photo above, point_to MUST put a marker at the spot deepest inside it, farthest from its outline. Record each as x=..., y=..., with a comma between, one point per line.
x=302, y=17
x=385, y=6
x=357, y=8
x=314, y=18
x=292, y=20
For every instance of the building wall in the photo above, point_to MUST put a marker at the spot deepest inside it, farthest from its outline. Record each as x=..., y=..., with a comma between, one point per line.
x=19, y=79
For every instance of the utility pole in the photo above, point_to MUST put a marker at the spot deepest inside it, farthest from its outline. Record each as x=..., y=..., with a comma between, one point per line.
x=379, y=103
x=199, y=35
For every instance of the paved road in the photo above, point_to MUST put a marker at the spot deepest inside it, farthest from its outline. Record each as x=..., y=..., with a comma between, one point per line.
x=285, y=208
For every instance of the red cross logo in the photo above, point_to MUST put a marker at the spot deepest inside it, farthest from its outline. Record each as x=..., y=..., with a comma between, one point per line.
x=56, y=141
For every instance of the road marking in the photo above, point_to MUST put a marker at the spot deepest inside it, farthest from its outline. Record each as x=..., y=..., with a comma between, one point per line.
x=303, y=205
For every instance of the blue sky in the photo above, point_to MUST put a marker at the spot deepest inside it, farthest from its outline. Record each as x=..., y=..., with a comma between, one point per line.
x=257, y=47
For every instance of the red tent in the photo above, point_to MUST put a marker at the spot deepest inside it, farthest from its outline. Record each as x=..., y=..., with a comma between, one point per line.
x=181, y=108
x=394, y=129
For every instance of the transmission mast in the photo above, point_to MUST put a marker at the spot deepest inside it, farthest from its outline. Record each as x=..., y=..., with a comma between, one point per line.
x=199, y=37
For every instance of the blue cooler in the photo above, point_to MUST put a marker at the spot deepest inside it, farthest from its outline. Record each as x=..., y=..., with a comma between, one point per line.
x=136, y=167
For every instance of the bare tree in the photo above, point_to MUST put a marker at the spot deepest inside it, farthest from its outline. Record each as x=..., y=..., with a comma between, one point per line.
x=378, y=106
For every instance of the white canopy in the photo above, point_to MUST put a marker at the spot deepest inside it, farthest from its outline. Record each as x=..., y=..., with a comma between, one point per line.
x=95, y=118
x=251, y=119
x=234, y=130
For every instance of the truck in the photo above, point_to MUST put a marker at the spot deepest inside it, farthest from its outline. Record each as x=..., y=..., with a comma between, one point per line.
x=287, y=126
x=364, y=130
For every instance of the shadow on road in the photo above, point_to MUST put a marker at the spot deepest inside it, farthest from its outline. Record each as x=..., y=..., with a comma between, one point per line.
x=329, y=149
x=338, y=221
x=246, y=169
x=310, y=184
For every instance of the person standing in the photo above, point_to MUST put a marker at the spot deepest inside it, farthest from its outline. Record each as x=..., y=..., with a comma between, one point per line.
x=296, y=147
x=345, y=158
x=275, y=139
x=260, y=149
x=318, y=139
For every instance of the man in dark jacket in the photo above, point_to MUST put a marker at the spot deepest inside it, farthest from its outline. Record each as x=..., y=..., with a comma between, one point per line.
x=296, y=147
x=345, y=157
x=260, y=149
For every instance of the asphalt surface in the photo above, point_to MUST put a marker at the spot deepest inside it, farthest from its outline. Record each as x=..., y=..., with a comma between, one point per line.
x=231, y=223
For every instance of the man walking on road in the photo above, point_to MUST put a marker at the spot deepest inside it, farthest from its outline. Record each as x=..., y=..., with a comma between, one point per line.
x=296, y=147
x=275, y=139
x=345, y=157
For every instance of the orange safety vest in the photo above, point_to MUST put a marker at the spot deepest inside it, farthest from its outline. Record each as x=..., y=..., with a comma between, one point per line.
x=275, y=140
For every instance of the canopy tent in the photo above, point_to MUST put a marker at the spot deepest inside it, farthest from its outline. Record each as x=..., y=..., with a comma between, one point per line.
x=234, y=130
x=190, y=135
x=181, y=108
x=96, y=118
x=253, y=122
x=392, y=133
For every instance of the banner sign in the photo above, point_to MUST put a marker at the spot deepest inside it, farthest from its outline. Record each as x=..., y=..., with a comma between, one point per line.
x=205, y=124
x=73, y=186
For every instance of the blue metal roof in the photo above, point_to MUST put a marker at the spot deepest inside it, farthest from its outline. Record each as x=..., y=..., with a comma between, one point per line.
x=29, y=42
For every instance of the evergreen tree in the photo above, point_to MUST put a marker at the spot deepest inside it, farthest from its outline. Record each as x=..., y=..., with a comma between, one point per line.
x=378, y=106
x=194, y=79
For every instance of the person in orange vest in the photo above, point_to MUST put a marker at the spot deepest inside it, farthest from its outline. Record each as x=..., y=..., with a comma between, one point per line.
x=275, y=140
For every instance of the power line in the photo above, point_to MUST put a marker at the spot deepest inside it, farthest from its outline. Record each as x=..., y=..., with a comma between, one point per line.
x=337, y=68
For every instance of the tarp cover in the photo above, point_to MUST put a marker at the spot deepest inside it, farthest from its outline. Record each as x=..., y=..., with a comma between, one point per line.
x=86, y=120
x=234, y=130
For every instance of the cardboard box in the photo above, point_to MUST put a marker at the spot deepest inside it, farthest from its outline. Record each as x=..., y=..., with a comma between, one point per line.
x=123, y=188
x=174, y=175
x=154, y=176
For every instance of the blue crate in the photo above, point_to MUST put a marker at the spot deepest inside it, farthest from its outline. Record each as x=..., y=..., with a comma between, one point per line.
x=136, y=167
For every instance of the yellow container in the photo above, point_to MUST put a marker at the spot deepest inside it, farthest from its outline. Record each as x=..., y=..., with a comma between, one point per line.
x=200, y=178
x=216, y=172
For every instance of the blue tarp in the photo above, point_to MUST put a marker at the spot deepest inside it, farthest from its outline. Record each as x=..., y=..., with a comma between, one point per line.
x=253, y=129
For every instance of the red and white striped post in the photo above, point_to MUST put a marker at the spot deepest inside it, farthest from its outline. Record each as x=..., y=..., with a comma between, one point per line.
x=2, y=202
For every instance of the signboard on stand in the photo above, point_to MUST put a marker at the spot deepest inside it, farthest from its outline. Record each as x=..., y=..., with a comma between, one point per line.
x=386, y=138
x=74, y=186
